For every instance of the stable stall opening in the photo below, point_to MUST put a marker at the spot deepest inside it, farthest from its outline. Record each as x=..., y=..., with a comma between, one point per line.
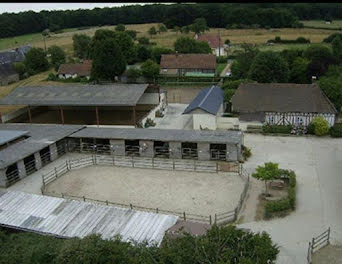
x=189, y=150
x=74, y=144
x=45, y=156
x=218, y=151
x=30, y=164
x=132, y=148
x=88, y=144
x=102, y=146
x=12, y=174
x=61, y=147
x=161, y=149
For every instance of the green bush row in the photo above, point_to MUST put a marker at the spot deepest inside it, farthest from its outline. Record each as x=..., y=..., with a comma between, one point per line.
x=288, y=203
x=282, y=129
x=289, y=41
x=186, y=79
x=336, y=130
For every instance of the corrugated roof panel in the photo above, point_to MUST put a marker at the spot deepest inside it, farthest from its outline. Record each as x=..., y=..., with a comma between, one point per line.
x=67, y=218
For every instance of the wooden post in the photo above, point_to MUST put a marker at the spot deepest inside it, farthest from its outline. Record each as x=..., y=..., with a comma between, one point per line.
x=29, y=113
x=56, y=172
x=184, y=216
x=210, y=219
x=134, y=116
x=328, y=234
x=312, y=245
x=62, y=114
x=215, y=219
x=84, y=198
x=97, y=116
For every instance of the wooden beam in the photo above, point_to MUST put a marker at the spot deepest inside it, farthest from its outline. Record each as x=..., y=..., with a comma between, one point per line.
x=29, y=114
x=134, y=116
x=62, y=114
x=97, y=116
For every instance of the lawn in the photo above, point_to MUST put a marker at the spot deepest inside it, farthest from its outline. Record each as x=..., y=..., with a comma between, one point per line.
x=336, y=24
x=220, y=68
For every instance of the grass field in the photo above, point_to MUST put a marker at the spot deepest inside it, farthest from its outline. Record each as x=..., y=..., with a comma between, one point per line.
x=336, y=24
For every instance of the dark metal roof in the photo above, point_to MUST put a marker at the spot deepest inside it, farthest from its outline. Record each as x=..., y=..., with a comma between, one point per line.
x=208, y=99
x=281, y=97
x=40, y=136
x=7, y=70
x=10, y=135
x=161, y=134
x=76, y=95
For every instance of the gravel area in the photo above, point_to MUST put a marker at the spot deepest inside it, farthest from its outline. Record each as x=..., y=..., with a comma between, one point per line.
x=192, y=192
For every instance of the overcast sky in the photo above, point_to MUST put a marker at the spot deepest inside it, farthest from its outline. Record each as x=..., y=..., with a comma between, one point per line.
x=19, y=7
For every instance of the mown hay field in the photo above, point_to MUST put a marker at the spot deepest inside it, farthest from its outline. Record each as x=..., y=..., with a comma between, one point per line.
x=336, y=24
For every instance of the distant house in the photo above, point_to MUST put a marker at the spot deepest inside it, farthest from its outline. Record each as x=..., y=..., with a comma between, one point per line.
x=215, y=42
x=73, y=70
x=185, y=64
x=13, y=56
x=206, y=107
x=282, y=103
x=8, y=74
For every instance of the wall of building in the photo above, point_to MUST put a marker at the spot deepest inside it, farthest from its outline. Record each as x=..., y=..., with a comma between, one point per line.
x=204, y=121
x=161, y=107
x=296, y=118
x=9, y=79
x=219, y=52
x=149, y=98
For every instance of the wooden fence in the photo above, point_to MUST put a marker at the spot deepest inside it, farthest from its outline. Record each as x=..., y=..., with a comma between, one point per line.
x=317, y=243
x=220, y=218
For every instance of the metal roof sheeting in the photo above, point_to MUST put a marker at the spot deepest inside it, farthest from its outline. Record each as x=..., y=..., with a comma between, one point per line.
x=178, y=135
x=76, y=95
x=69, y=218
x=208, y=99
x=10, y=135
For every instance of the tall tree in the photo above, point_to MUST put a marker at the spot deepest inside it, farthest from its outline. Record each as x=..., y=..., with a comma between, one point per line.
x=108, y=60
x=269, y=67
x=337, y=48
x=299, y=71
x=81, y=45
x=242, y=64
x=152, y=31
x=199, y=25
x=269, y=171
x=189, y=45
x=36, y=61
x=150, y=69
x=57, y=56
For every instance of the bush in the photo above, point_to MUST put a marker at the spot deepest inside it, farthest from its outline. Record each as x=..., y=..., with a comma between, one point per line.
x=332, y=37
x=282, y=129
x=221, y=59
x=228, y=93
x=51, y=77
x=321, y=126
x=228, y=84
x=336, y=130
x=246, y=152
x=311, y=129
x=289, y=41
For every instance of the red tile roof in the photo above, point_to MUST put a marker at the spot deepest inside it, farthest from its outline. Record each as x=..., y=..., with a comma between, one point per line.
x=188, y=61
x=81, y=69
x=214, y=40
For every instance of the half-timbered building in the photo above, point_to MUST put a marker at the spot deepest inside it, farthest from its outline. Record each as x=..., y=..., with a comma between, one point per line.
x=282, y=103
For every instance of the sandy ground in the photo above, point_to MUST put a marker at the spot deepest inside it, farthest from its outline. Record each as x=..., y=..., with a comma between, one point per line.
x=318, y=165
x=328, y=255
x=182, y=94
x=196, y=193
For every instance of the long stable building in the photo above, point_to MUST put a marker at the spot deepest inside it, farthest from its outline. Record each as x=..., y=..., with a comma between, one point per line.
x=115, y=104
x=25, y=148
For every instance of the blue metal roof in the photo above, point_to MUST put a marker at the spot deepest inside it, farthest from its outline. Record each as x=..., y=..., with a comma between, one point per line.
x=209, y=99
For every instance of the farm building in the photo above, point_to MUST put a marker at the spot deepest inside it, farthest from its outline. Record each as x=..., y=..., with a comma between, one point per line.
x=13, y=56
x=26, y=148
x=185, y=64
x=160, y=143
x=282, y=103
x=69, y=218
x=8, y=74
x=115, y=104
x=74, y=70
x=215, y=42
x=206, y=107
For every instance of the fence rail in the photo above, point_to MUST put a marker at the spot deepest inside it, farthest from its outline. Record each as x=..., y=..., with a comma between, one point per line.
x=60, y=170
x=317, y=243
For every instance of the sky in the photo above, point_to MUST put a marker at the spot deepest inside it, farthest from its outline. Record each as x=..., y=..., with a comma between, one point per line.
x=20, y=7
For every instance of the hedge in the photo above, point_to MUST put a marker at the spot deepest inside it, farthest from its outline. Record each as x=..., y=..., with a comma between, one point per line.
x=281, y=129
x=289, y=41
x=285, y=204
x=336, y=130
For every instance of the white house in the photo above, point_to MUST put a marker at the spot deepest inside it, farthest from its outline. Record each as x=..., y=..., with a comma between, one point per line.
x=282, y=103
x=73, y=70
x=215, y=42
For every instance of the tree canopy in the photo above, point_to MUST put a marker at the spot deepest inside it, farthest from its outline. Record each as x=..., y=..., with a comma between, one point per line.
x=270, y=171
x=36, y=61
x=81, y=45
x=199, y=25
x=190, y=45
x=57, y=56
x=150, y=69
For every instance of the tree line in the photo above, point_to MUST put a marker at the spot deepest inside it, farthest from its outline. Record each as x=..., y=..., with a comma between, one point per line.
x=273, y=15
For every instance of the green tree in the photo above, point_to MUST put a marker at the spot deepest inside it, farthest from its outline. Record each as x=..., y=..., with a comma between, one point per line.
x=269, y=67
x=108, y=60
x=189, y=45
x=227, y=42
x=143, y=53
x=176, y=29
x=120, y=27
x=20, y=68
x=133, y=74
x=150, y=69
x=321, y=126
x=132, y=33
x=199, y=25
x=36, y=61
x=228, y=94
x=242, y=64
x=299, y=70
x=317, y=51
x=81, y=45
x=337, y=48
x=57, y=56
x=185, y=29
x=143, y=41
x=270, y=171
x=152, y=31
x=162, y=28
x=158, y=51
x=332, y=87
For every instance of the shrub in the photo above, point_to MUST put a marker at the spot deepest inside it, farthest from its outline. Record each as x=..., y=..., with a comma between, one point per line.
x=336, y=130
x=246, y=152
x=51, y=77
x=321, y=126
x=221, y=59
x=311, y=129
x=228, y=93
x=332, y=37
x=282, y=129
x=289, y=41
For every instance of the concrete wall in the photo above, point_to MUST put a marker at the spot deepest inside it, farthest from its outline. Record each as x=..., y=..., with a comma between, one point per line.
x=176, y=150
x=38, y=160
x=118, y=146
x=227, y=122
x=9, y=79
x=3, y=178
x=21, y=169
x=160, y=107
x=204, y=121
x=233, y=153
x=14, y=114
x=203, y=151
x=149, y=98
x=146, y=148
x=53, y=152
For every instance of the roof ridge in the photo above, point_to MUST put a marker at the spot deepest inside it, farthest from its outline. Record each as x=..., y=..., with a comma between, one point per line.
x=206, y=96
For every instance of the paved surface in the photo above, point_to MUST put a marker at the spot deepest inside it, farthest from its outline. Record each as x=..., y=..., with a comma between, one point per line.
x=192, y=192
x=328, y=255
x=318, y=165
x=174, y=119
